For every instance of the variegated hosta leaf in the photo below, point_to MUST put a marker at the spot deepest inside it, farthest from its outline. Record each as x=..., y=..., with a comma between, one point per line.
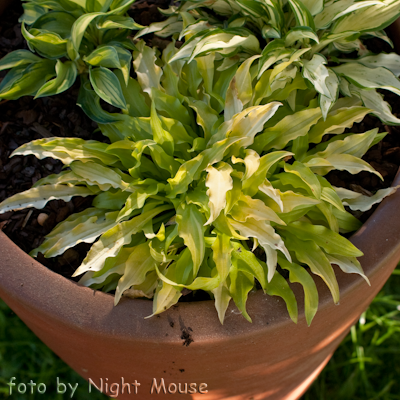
x=247, y=207
x=358, y=201
x=138, y=264
x=355, y=144
x=369, y=78
x=349, y=265
x=267, y=237
x=310, y=253
x=299, y=275
x=112, y=240
x=337, y=121
x=390, y=61
x=39, y=196
x=341, y=162
x=219, y=182
x=190, y=227
x=148, y=72
x=316, y=72
x=222, y=299
x=374, y=100
x=67, y=150
x=330, y=241
x=372, y=18
x=85, y=227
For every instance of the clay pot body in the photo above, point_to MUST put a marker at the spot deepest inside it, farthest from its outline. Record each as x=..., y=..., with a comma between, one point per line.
x=186, y=350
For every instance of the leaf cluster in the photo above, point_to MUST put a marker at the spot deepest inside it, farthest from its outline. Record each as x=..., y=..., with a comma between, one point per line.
x=68, y=38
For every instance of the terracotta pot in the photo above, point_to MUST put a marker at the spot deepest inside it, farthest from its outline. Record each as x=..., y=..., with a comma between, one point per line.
x=271, y=358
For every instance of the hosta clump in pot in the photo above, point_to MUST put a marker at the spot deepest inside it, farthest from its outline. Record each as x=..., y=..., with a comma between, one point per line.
x=219, y=155
x=68, y=38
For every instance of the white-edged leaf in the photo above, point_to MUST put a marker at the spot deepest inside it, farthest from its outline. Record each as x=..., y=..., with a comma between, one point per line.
x=66, y=76
x=107, y=86
x=358, y=201
x=112, y=240
x=83, y=227
x=39, y=196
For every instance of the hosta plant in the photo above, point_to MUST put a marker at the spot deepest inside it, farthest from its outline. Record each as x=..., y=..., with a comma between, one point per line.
x=68, y=38
x=293, y=36
x=211, y=171
x=215, y=174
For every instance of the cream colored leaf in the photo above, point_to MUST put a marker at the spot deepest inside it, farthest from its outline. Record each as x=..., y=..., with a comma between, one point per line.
x=219, y=182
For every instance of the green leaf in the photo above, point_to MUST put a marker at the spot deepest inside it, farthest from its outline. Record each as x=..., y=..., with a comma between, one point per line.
x=246, y=261
x=222, y=299
x=330, y=241
x=289, y=128
x=302, y=14
x=300, y=33
x=117, y=22
x=358, y=201
x=307, y=176
x=315, y=71
x=137, y=266
x=21, y=81
x=250, y=185
x=112, y=240
x=132, y=92
x=89, y=101
x=279, y=287
x=309, y=252
x=240, y=286
x=59, y=22
x=80, y=26
x=17, y=58
x=338, y=9
x=266, y=236
x=374, y=101
x=66, y=76
x=369, y=78
x=222, y=249
x=67, y=150
x=247, y=207
x=47, y=44
x=31, y=13
x=337, y=121
x=298, y=274
x=161, y=136
x=244, y=80
x=105, y=56
x=375, y=17
x=38, y=197
x=83, y=227
x=103, y=177
x=107, y=86
x=190, y=227
x=350, y=265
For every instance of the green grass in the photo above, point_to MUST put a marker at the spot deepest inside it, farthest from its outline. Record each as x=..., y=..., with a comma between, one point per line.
x=366, y=366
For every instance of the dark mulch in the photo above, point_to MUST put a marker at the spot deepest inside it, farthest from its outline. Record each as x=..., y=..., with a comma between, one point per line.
x=26, y=119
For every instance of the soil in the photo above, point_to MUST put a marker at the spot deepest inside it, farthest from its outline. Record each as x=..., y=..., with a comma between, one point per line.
x=26, y=119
